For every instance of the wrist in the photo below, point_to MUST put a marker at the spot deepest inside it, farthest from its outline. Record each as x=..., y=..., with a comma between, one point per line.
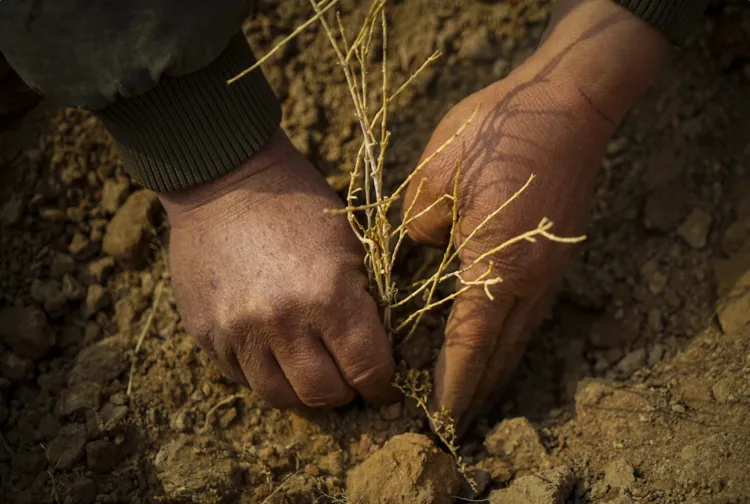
x=601, y=52
x=263, y=171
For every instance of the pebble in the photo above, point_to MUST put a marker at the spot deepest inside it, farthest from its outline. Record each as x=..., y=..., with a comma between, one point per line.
x=25, y=331
x=694, y=229
x=15, y=368
x=62, y=264
x=114, y=192
x=97, y=298
x=181, y=422
x=67, y=448
x=72, y=290
x=655, y=354
x=227, y=418
x=81, y=396
x=632, y=362
x=723, y=391
x=97, y=271
x=112, y=414
x=100, y=363
x=80, y=247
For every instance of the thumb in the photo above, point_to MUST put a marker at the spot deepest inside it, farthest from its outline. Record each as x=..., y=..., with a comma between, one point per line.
x=427, y=218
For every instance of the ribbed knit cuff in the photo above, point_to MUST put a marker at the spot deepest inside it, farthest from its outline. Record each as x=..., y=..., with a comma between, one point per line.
x=195, y=128
x=674, y=18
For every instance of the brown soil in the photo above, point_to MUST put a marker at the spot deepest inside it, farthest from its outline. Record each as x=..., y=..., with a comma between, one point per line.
x=636, y=390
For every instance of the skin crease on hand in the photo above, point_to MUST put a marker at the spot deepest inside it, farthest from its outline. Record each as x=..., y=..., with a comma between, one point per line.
x=273, y=289
x=552, y=117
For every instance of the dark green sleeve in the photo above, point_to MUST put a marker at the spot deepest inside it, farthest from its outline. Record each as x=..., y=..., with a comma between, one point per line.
x=674, y=18
x=154, y=71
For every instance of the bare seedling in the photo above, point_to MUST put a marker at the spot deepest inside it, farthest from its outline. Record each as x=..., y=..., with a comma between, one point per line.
x=367, y=197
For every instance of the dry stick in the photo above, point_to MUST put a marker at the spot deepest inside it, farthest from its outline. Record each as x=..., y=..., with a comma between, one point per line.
x=281, y=44
x=213, y=410
x=157, y=297
x=467, y=240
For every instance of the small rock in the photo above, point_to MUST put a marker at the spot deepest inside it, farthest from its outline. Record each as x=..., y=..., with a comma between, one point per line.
x=97, y=298
x=737, y=237
x=619, y=474
x=52, y=215
x=632, y=362
x=664, y=208
x=547, y=487
x=97, y=271
x=694, y=230
x=100, y=363
x=409, y=468
x=83, y=491
x=392, y=411
x=67, y=448
x=185, y=472
x=678, y=408
x=71, y=289
x=516, y=441
x=181, y=422
x=128, y=233
x=30, y=462
x=124, y=315
x=227, y=418
x=62, y=264
x=655, y=354
x=113, y=413
x=734, y=309
x=49, y=293
x=102, y=456
x=25, y=331
x=80, y=247
x=114, y=193
x=12, y=211
x=81, y=396
x=15, y=368
x=724, y=391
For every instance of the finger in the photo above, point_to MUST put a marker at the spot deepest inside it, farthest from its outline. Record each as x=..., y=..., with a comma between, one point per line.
x=509, y=350
x=362, y=351
x=312, y=373
x=429, y=226
x=471, y=332
x=266, y=378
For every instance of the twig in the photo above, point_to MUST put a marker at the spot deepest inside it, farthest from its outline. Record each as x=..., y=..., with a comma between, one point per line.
x=281, y=44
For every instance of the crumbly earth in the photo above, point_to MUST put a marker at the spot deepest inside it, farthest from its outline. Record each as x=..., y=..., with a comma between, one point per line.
x=637, y=389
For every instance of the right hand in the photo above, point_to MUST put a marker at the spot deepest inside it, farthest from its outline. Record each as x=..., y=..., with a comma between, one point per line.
x=273, y=289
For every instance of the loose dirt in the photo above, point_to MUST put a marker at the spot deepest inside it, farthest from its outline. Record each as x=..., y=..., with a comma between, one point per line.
x=637, y=389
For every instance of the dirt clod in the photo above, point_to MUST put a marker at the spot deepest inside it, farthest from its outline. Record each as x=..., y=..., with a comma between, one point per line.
x=83, y=395
x=67, y=448
x=409, y=468
x=547, y=487
x=516, y=441
x=100, y=362
x=619, y=474
x=25, y=331
x=192, y=474
x=15, y=368
x=103, y=456
x=128, y=232
x=694, y=230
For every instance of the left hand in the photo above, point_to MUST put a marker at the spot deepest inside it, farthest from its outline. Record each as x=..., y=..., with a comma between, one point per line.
x=552, y=117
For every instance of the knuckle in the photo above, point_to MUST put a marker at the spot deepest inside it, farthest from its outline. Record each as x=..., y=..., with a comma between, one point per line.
x=367, y=374
x=320, y=399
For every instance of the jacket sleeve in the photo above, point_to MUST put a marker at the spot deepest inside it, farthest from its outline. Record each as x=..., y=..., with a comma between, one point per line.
x=155, y=72
x=674, y=18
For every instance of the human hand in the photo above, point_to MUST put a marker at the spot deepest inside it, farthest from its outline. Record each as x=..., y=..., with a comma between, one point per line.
x=551, y=118
x=274, y=290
